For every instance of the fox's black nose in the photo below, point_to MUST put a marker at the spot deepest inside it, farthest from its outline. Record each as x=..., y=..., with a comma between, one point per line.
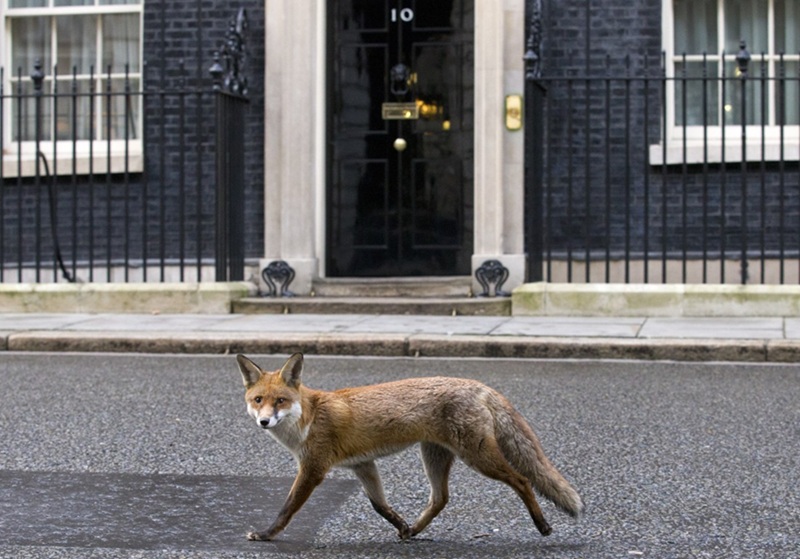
x=264, y=422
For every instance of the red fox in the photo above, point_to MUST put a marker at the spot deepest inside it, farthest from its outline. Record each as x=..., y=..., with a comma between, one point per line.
x=352, y=427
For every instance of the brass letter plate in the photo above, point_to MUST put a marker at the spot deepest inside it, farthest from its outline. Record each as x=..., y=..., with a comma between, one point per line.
x=400, y=111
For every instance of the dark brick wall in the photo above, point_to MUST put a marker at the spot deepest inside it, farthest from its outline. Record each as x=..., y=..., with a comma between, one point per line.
x=180, y=37
x=602, y=194
x=166, y=213
x=595, y=153
x=580, y=34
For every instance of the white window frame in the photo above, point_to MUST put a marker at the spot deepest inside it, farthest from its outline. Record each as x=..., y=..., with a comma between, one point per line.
x=19, y=158
x=697, y=151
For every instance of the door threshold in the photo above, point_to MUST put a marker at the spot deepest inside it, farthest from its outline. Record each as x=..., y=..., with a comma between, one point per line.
x=423, y=286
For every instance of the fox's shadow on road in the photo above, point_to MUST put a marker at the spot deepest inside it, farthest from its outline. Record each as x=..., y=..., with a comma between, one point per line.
x=479, y=547
x=154, y=512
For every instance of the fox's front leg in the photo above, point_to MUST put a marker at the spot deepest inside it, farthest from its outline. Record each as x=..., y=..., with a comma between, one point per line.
x=437, y=461
x=304, y=484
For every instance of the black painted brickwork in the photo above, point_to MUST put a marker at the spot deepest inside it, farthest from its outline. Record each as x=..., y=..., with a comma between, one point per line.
x=602, y=196
x=166, y=213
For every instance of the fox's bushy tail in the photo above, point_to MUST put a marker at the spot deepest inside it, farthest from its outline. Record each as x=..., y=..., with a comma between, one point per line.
x=522, y=449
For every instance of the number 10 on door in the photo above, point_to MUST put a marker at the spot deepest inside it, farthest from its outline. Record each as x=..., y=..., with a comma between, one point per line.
x=405, y=14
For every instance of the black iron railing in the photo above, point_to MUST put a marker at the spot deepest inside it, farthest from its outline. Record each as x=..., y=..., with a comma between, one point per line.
x=230, y=106
x=124, y=179
x=642, y=172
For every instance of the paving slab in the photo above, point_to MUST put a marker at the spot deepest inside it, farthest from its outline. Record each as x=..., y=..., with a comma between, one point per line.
x=570, y=326
x=287, y=323
x=740, y=328
x=445, y=325
x=791, y=328
x=685, y=339
x=40, y=321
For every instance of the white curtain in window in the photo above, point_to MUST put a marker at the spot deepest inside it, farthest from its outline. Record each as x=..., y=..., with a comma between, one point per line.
x=121, y=42
x=787, y=22
x=695, y=26
x=76, y=44
x=746, y=19
x=787, y=41
x=31, y=38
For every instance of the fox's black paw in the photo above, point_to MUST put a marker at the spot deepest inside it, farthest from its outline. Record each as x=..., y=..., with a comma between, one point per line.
x=404, y=533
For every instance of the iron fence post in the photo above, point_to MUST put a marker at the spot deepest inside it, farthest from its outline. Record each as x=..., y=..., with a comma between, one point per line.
x=742, y=61
x=230, y=98
x=221, y=212
x=534, y=145
x=38, y=78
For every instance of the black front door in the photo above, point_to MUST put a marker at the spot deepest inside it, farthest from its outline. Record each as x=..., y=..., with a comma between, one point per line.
x=400, y=127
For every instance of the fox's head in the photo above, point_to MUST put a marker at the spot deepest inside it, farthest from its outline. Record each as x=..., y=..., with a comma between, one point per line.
x=272, y=397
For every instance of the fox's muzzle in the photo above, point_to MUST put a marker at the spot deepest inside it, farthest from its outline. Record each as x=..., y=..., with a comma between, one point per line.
x=270, y=421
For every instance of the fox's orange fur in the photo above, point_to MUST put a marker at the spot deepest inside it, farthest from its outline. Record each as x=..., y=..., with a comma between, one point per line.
x=352, y=427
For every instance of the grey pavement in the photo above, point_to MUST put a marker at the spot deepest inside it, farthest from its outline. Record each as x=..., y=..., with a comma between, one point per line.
x=752, y=339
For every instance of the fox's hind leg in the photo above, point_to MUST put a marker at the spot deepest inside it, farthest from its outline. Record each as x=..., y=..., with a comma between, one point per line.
x=437, y=461
x=489, y=460
x=367, y=474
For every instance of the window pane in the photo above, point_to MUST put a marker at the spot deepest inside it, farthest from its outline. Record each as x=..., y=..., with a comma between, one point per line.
x=73, y=3
x=27, y=3
x=124, y=110
x=23, y=127
x=121, y=42
x=735, y=97
x=696, y=26
x=787, y=26
x=107, y=2
x=73, y=120
x=696, y=90
x=788, y=94
x=746, y=19
x=31, y=41
x=76, y=45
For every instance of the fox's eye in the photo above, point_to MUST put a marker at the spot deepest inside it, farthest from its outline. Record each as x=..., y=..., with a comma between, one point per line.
x=258, y=399
x=279, y=401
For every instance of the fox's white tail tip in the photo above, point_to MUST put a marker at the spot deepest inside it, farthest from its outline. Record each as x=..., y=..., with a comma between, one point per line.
x=573, y=505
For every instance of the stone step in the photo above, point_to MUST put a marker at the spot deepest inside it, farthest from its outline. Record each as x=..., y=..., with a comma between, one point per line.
x=434, y=287
x=474, y=306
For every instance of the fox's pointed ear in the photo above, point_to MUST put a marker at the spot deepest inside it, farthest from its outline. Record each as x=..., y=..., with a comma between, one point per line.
x=292, y=369
x=250, y=371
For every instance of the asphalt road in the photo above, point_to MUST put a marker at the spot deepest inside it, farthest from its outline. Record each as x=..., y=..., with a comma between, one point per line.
x=154, y=457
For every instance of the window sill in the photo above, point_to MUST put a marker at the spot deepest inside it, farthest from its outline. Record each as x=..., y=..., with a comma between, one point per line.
x=21, y=165
x=698, y=153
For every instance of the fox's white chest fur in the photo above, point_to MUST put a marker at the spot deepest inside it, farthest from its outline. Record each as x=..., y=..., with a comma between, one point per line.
x=291, y=436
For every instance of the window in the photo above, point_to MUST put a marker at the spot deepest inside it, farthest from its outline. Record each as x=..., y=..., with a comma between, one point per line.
x=701, y=41
x=90, y=55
